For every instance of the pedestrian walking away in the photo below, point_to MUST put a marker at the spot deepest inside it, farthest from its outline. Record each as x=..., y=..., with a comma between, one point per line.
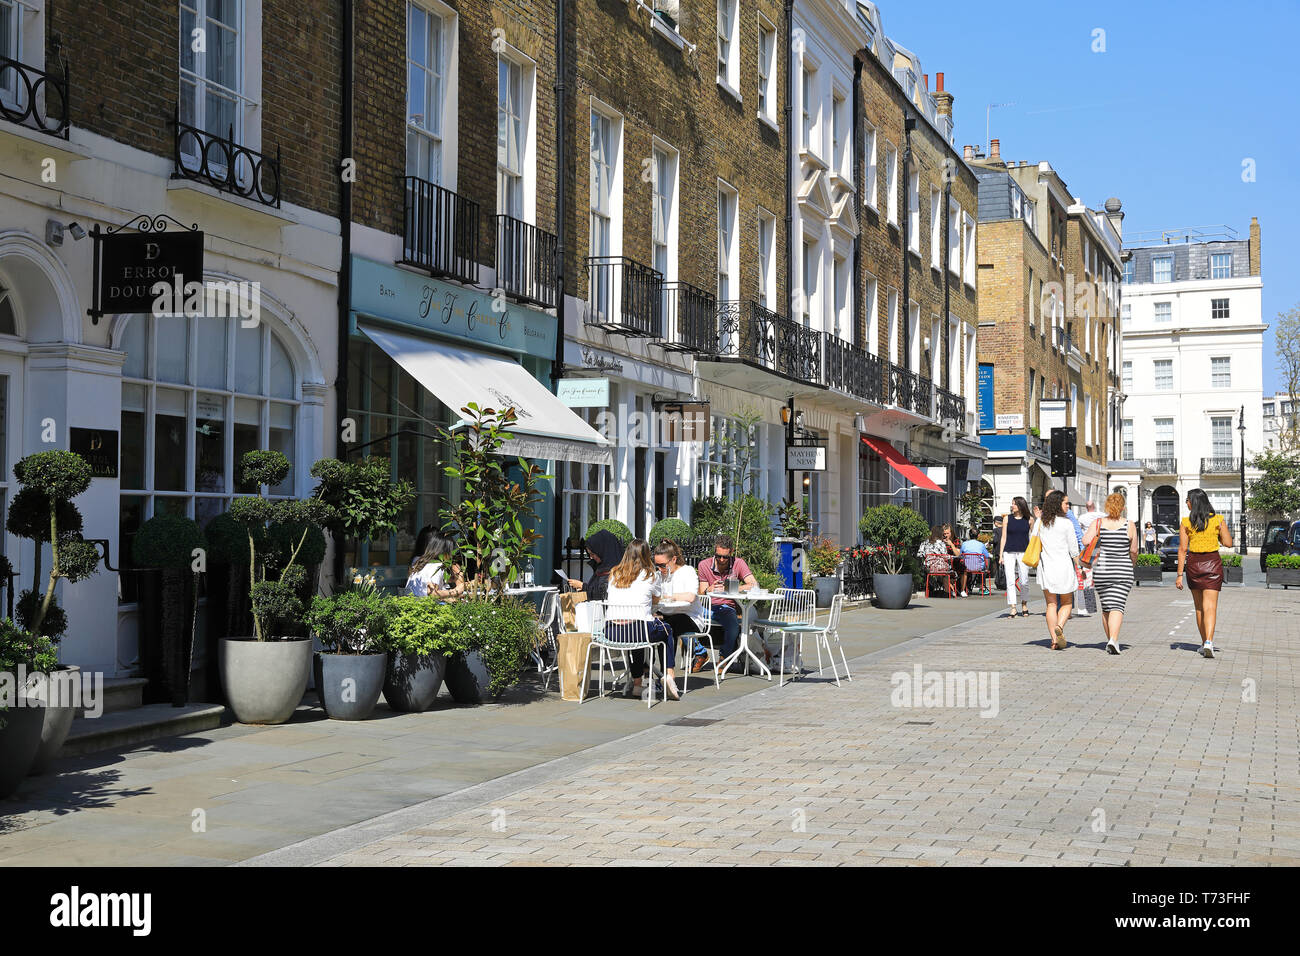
x=1115, y=552
x=1199, y=537
x=1149, y=538
x=1015, y=539
x=1058, y=565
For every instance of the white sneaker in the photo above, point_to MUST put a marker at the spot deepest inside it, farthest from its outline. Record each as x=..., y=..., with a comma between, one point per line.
x=1112, y=647
x=1207, y=649
x=963, y=593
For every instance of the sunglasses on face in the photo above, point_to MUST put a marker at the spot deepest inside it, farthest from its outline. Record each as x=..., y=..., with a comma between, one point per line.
x=661, y=564
x=721, y=557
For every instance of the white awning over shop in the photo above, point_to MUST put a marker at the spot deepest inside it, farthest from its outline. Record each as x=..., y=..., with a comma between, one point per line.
x=459, y=375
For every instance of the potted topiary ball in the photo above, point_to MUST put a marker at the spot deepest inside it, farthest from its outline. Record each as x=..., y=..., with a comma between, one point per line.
x=169, y=551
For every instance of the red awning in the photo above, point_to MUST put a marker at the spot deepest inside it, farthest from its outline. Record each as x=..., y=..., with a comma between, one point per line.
x=900, y=464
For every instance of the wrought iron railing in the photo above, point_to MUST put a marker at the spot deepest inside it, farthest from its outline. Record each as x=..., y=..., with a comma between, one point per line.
x=525, y=261
x=34, y=98
x=690, y=319
x=925, y=389
x=760, y=337
x=625, y=297
x=1160, y=466
x=904, y=388
x=1220, y=466
x=224, y=164
x=951, y=408
x=440, y=230
x=852, y=370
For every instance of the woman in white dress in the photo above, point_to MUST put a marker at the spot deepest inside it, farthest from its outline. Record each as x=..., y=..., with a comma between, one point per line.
x=1058, y=565
x=428, y=576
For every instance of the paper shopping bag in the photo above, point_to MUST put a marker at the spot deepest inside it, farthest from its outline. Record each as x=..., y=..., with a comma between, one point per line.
x=573, y=664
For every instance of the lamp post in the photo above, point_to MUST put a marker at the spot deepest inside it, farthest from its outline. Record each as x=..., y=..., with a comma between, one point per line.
x=787, y=419
x=1241, y=428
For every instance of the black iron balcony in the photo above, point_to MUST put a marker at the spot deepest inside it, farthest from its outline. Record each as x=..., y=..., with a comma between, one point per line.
x=525, y=261
x=853, y=370
x=905, y=390
x=223, y=164
x=1160, y=466
x=34, y=98
x=625, y=297
x=1220, y=466
x=951, y=408
x=925, y=389
x=758, y=336
x=690, y=319
x=440, y=231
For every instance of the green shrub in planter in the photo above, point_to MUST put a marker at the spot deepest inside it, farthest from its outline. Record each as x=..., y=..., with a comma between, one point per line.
x=615, y=527
x=713, y=516
x=1288, y=561
x=896, y=533
x=1148, y=561
x=1230, y=559
x=503, y=632
x=164, y=556
x=422, y=627
x=167, y=541
x=674, y=529
x=351, y=622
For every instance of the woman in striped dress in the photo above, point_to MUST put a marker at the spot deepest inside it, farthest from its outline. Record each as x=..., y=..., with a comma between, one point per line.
x=1116, y=550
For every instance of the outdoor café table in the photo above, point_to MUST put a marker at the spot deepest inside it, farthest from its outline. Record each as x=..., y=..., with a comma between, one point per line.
x=747, y=600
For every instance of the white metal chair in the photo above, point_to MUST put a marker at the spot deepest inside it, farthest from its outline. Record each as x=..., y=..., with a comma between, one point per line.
x=546, y=630
x=616, y=629
x=822, y=635
x=794, y=610
x=688, y=640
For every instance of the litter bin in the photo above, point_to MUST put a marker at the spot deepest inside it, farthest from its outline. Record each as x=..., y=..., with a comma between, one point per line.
x=789, y=563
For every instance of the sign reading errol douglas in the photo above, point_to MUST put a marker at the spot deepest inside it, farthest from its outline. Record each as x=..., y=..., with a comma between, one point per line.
x=98, y=446
x=132, y=263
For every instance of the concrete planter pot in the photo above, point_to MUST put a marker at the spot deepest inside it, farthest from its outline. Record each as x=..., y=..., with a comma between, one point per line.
x=264, y=680
x=1286, y=577
x=1233, y=575
x=58, y=691
x=893, y=591
x=467, y=678
x=412, y=682
x=20, y=739
x=349, y=684
x=1150, y=575
x=826, y=586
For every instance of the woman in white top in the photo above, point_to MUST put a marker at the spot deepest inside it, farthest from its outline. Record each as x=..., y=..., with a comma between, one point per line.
x=1058, y=565
x=633, y=592
x=679, y=583
x=428, y=577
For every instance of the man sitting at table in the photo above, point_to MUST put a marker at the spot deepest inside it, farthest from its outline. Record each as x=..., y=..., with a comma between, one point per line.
x=714, y=574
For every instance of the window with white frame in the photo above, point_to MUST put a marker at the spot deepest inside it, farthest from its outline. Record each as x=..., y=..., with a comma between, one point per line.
x=1164, y=311
x=936, y=232
x=1218, y=308
x=1227, y=503
x=893, y=347
x=934, y=351
x=767, y=257
x=717, y=469
x=870, y=193
x=841, y=131
x=514, y=115
x=604, y=203
x=428, y=37
x=589, y=491
x=728, y=46
x=664, y=212
x=767, y=94
x=212, y=95
x=954, y=354
x=1221, y=371
x=873, y=314
x=197, y=394
x=968, y=375
x=954, y=237
x=891, y=183
x=968, y=250
x=1074, y=405
x=1087, y=419
x=914, y=211
x=1221, y=436
x=913, y=337
x=728, y=244
x=1126, y=439
x=13, y=92
x=843, y=302
x=1221, y=265
x=1031, y=211
x=1164, y=432
x=1162, y=269
x=1130, y=270
x=1126, y=314
x=810, y=271
x=1163, y=370
x=809, y=107
x=1126, y=379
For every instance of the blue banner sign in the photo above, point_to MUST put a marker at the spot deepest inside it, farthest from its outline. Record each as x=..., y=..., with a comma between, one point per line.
x=984, y=380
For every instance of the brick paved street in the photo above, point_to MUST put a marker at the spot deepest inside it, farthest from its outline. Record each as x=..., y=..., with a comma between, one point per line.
x=1153, y=757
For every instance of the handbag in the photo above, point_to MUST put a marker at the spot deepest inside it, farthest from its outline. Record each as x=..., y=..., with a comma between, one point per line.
x=1086, y=558
x=1035, y=549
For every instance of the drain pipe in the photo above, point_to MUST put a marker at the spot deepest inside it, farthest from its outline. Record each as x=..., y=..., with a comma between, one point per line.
x=858, y=173
x=345, y=256
x=791, y=140
x=904, y=215
x=557, y=363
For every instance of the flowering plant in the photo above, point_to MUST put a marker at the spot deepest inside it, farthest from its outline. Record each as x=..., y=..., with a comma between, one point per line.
x=823, y=557
x=894, y=533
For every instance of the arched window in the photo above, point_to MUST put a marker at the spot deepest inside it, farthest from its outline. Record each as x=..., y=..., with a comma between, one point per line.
x=197, y=393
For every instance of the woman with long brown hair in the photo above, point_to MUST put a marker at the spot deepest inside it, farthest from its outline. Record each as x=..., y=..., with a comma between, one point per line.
x=633, y=591
x=1058, y=565
x=1199, y=536
x=1015, y=538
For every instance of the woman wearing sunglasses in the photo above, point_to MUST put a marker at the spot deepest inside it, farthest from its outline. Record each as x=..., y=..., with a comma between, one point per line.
x=679, y=583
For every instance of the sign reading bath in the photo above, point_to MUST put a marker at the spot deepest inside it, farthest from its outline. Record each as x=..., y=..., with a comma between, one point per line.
x=98, y=446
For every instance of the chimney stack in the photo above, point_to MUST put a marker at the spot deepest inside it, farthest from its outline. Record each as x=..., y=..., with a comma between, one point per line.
x=925, y=80
x=942, y=98
x=995, y=151
x=1115, y=215
x=1254, y=246
x=968, y=153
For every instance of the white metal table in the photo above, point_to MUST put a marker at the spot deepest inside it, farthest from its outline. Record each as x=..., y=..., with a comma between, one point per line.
x=748, y=600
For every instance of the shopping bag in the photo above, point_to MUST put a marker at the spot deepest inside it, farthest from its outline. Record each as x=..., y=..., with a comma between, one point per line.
x=1087, y=593
x=569, y=600
x=573, y=663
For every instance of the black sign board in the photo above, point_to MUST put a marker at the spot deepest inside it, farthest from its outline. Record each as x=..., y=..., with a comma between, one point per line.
x=129, y=264
x=1064, y=442
x=98, y=446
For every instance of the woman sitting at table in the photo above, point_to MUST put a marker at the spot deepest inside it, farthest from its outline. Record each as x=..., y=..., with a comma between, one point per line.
x=428, y=577
x=633, y=592
x=679, y=583
x=603, y=551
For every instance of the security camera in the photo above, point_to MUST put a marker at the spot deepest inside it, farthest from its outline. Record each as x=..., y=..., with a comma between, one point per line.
x=78, y=233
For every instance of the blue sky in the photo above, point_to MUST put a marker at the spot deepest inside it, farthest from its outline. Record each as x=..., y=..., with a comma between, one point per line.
x=1163, y=119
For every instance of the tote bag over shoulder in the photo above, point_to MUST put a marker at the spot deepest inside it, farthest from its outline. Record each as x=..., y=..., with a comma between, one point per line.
x=1035, y=549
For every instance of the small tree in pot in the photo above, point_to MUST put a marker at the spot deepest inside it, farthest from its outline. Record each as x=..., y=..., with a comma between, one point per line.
x=169, y=551
x=364, y=499
x=264, y=675
x=421, y=634
x=823, y=560
x=895, y=533
x=22, y=713
x=352, y=627
x=492, y=641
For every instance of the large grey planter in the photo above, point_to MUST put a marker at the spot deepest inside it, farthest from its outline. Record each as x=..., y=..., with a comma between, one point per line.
x=349, y=684
x=264, y=680
x=20, y=739
x=467, y=678
x=1233, y=575
x=1149, y=574
x=412, y=682
x=826, y=587
x=58, y=690
x=893, y=591
x=1287, y=577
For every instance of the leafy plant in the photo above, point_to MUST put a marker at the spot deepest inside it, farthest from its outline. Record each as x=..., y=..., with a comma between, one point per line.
x=1288, y=561
x=708, y=515
x=823, y=557
x=274, y=598
x=1148, y=561
x=167, y=541
x=366, y=502
x=228, y=540
x=57, y=477
x=769, y=580
x=53, y=625
x=615, y=527
x=1230, y=559
x=895, y=533
x=1275, y=493
x=282, y=539
x=504, y=632
x=351, y=622
x=19, y=647
x=795, y=522
x=422, y=627
x=674, y=529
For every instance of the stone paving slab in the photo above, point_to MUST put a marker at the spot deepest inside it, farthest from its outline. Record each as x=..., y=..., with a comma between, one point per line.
x=1155, y=757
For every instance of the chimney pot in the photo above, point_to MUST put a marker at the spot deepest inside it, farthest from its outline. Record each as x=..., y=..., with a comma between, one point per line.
x=995, y=150
x=938, y=82
x=925, y=79
x=968, y=152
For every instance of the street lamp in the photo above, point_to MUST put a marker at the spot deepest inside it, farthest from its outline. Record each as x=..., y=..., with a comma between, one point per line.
x=1241, y=427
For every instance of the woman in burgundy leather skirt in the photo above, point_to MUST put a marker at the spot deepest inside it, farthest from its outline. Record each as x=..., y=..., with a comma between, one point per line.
x=1199, y=538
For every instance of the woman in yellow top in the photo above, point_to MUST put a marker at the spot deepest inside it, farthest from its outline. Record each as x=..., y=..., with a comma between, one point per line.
x=1199, y=538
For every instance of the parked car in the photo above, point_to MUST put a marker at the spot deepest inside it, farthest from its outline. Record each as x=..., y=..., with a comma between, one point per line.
x=1169, y=552
x=1280, y=537
x=1164, y=529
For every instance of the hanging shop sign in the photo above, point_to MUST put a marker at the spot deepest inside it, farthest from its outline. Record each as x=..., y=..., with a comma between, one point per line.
x=984, y=383
x=98, y=446
x=805, y=458
x=583, y=392
x=129, y=265
x=684, y=421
